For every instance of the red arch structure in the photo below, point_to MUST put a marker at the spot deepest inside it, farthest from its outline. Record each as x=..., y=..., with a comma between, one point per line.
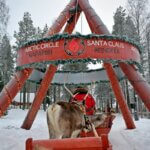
x=57, y=48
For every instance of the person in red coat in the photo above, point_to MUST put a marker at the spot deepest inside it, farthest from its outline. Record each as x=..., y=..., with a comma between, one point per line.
x=82, y=95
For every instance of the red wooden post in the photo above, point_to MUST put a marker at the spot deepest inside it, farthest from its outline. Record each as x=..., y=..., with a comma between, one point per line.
x=105, y=141
x=93, y=19
x=39, y=97
x=70, y=26
x=49, y=74
x=119, y=96
x=29, y=144
x=61, y=20
x=90, y=143
x=139, y=84
x=98, y=27
x=11, y=89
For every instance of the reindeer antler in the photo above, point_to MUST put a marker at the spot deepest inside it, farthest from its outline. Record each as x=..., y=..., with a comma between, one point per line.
x=86, y=95
x=70, y=91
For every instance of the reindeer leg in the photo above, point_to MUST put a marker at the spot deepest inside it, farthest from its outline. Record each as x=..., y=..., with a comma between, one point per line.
x=58, y=136
x=94, y=130
x=48, y=124
x=75, y=133
x=52, y=134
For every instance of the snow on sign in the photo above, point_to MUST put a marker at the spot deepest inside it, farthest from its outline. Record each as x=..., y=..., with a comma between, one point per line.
x=77, y=48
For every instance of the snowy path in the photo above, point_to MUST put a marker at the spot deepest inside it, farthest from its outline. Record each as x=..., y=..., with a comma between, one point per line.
x=12, y=137
x=135, y=139
x=117, y=135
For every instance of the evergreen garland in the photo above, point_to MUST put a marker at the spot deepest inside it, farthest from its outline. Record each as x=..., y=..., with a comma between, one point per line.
x=42, y=65
x=79, y=84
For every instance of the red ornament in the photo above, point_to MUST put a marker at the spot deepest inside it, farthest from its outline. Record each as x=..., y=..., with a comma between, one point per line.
x=74, y=46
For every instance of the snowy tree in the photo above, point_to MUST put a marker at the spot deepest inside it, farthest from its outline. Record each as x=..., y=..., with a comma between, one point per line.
x=45, y=30
x=137, y=10
x=6, y=59
x=124, y=26
x=38, y=33
x=1, y=82
x=41, y=33
x=26, y=32
x=4, y=16
x=119, y=22
x=104, y=95
x=130, y=30
x=134, y=23
x=148, y=49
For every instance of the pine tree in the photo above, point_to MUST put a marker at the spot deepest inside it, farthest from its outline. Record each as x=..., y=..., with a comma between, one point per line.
x=137, y=10
x=1, y=82
x=119, y=22
x=104, y=95
x=6, y=59
x=38, y=33
x=45, y=30
x=41, y=33
x=4, y=16
x=124, y=26
x=148, y=50
x=130, y=30
x=26, y=32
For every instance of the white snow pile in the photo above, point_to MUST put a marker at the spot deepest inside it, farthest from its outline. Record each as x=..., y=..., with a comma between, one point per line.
x=12, y=137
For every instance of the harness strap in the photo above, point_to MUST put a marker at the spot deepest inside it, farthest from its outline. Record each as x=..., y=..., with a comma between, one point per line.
x=83, y=103
x=89, y=109
x=88, y=124
x=82, y=107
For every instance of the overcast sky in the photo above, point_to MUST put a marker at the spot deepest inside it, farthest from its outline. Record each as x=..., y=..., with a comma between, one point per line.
x=46, y=11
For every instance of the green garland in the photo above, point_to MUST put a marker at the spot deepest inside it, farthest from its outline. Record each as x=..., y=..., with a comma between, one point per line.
x=83, y=71
x=79, y=84
x=80, y=71
x=42, y=65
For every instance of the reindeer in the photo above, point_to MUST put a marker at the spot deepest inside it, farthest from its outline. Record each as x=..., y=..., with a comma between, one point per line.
x=67, y=120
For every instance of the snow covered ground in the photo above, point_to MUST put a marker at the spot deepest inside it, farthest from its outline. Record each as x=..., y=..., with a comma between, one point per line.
x=12, y=137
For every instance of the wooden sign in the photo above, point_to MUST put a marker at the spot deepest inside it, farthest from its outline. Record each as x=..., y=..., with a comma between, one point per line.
x=78, y=48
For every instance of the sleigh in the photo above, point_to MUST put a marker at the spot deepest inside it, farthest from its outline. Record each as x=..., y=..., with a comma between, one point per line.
x=86, y=141
x=103, y=129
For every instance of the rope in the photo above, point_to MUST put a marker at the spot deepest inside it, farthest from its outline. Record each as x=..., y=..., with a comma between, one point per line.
x=88, y=124
x=94, y=130
x=76, y=10
x=81, y=23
